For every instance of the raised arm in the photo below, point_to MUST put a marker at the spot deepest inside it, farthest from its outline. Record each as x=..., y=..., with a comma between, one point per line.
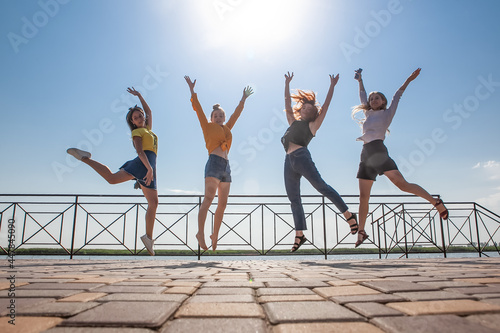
x=196, y=104
x=316, y=124
x=237, y=112
x=288, y=99
x=145, y=107
x=362, y=92
x=397, y=96
x=410, y=78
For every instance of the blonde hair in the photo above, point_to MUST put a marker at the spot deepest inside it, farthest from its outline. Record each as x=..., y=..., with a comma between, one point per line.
x=304, y=97
x=217, y=107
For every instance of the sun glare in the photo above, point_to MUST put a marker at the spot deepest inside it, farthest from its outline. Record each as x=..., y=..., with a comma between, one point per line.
x=253, y=25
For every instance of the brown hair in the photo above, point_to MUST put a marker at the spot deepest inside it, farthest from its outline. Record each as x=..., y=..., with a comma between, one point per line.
x=304, y=97
x=129, y=116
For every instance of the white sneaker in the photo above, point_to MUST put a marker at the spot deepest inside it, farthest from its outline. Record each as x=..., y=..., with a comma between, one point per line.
x=78, y=153
x=148, y=243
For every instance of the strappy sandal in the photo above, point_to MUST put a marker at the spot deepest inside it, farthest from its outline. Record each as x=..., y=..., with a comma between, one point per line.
x=444, y=213
x=302, y=240
x=364, y=237
x=354, y=227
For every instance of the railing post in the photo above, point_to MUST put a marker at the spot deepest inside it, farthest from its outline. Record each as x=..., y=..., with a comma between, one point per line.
x=477, y=230
x=324, y=225
x=404, y=230
x=74, y=229
x=262, y=227
x=199, y=249
x=442, y=235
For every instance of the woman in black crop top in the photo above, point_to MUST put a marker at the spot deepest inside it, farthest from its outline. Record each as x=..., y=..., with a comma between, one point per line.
x=305, y=118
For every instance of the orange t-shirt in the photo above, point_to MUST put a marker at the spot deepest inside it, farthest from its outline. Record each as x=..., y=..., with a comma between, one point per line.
x=216, y=135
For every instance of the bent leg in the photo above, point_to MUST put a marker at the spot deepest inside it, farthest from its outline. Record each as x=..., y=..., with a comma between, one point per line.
x=112, y=178
x=222, y=195
x=397, y=179
x=211, y=184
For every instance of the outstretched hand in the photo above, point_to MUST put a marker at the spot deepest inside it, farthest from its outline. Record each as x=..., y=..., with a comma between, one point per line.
x=247, y=92
x=334, y=79
x=288, y=77
x=414, y=75
x=133, y=91
x=190, y=83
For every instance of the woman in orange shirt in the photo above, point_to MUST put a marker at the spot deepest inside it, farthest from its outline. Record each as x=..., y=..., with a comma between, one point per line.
x=218, y=140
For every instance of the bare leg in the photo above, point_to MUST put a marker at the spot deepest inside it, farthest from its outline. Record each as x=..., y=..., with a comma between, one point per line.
x=211, y=184
x=112, y=178
x=152, y=198
x=365, y=187
x=223, y=194
x=397, y=179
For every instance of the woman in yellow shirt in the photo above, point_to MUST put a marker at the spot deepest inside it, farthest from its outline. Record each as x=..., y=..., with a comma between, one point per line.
x=142, y=168
x=218, y=140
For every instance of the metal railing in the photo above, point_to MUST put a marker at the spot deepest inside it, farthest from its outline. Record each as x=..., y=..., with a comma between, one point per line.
x=258, y=225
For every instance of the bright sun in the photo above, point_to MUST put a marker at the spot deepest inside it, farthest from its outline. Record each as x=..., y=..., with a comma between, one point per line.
x=254, y=24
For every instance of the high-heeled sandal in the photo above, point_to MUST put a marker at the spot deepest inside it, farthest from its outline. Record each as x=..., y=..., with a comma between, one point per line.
x=444, y=213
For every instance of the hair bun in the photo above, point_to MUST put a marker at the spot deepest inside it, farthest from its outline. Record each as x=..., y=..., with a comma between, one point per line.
x=216, y=106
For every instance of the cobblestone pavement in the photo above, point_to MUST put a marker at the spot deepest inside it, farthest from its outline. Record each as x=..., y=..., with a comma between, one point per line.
x=406, y=295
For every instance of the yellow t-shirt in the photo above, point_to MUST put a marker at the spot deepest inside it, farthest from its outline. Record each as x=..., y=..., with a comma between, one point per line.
x=216, y=135
x=149, y=139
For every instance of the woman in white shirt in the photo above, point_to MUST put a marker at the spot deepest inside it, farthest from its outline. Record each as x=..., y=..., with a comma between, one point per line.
x=375, y=158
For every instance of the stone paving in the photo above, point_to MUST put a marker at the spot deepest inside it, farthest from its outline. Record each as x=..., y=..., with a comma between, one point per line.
x=140, y=296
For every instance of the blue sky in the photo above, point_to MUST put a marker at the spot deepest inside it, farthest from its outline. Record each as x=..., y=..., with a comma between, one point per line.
x=66, y=66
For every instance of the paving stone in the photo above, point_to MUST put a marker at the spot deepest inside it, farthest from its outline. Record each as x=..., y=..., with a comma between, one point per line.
x=176, y=283
x=418, y=279
x=489, y=320
x=180, y=290
x=104, y=280
x=98, y=330
x=334, y=327
x=340, y=283
x=475, y=290
x=6, y=285
x=28, y=324
x=73, y=276
x=429, y=324
x=219, y=325
x=345, y=290
x=83, y=297
x=492, y=280
x=484, y=296
x=138, y=283
x=372, y=310
x=495, y=301
x=138, y=314
x=242, y=310
x=147, y=281
x=222, y=299
x=297, y=284
x=432, y=295
x=20, y=303
x=60, y=286
x=289, y=298
x=132, y=297
x=56, y=309
x=42, y=293
x=449, y=284
x=458, y=307
x=222, y=284
x=397, y=286
x=224, y=291
x=131, y=289
x=378, y=298
x=289, y=312
x=284, y=291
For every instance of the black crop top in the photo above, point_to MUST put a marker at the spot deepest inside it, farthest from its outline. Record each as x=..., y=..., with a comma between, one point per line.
x=298, y=133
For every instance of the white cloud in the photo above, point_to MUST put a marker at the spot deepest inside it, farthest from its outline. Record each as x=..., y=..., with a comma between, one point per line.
x=478, y=165
x=492, y=164
x=183, y=192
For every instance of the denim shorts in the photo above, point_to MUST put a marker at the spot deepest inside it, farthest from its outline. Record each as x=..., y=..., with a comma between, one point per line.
x=137, y=169
x=218, y=167
x=375, y=160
